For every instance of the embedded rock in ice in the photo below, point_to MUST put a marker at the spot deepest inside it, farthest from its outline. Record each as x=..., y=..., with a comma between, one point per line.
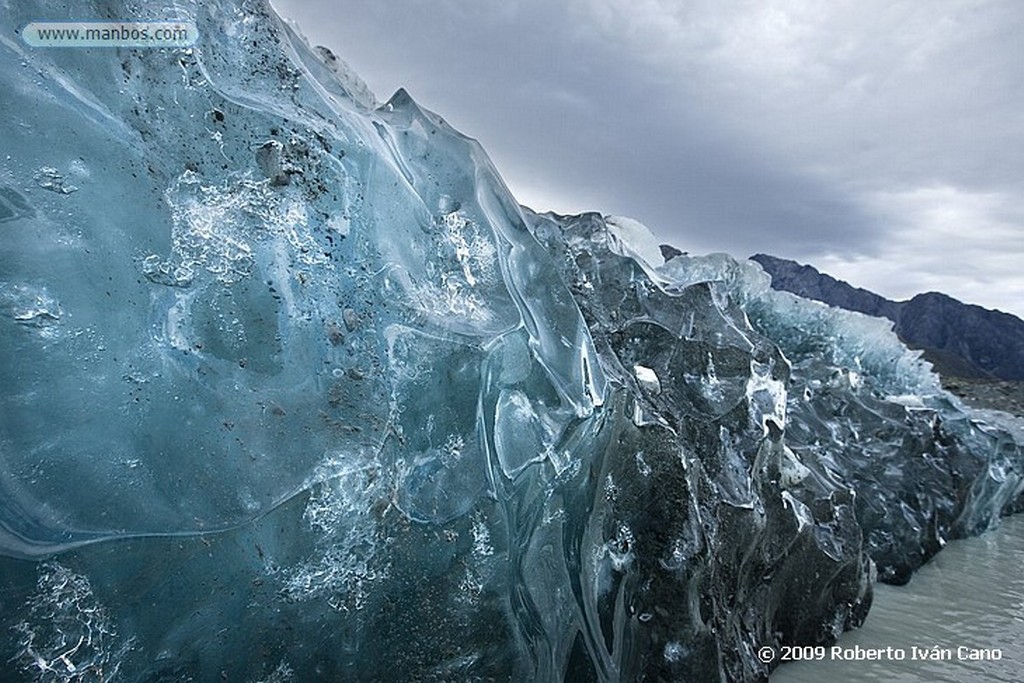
x=350, y=413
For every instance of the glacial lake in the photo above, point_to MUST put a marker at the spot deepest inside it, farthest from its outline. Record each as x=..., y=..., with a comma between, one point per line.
x=970, y=596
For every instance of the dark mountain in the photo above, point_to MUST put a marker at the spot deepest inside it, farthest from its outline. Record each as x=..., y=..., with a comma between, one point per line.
x=960, y=340
x=806, y=281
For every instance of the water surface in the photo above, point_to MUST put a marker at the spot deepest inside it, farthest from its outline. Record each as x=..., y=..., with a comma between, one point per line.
x=969, y=596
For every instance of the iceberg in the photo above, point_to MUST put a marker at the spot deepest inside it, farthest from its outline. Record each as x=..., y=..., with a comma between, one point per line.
x=293, y=389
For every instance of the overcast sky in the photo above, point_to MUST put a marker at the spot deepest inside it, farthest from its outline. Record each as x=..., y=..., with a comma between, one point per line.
x=881, y=141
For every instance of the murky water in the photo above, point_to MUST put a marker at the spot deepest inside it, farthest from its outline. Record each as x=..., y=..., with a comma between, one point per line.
x=968, y=602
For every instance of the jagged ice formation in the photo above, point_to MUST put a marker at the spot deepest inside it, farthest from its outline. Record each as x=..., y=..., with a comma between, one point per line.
x=293, y=389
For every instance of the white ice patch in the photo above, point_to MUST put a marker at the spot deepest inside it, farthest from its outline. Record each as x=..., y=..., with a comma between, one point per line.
x=791, y=470
x=912, y=401
x=632, y=238
x=216, y=227
x=68, y=636
x=641, y=464
x=340, y=224
x=675, y=652
x=50, y=179
x=481, y=538
x=282, y=674
x=620, y=549
x=462, y=269
x=452, y=450
x=347, y=557
x=647, y=378
x=766, y=398
x=31, y=306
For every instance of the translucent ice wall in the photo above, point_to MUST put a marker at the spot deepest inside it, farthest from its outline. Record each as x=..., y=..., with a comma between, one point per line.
x=224, y=255
x=292, y=389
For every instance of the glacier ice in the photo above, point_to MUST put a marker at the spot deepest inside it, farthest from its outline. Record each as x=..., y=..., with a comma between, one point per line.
x=292, y=389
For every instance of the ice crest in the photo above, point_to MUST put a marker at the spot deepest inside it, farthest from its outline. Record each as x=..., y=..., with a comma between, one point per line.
x=632, y=238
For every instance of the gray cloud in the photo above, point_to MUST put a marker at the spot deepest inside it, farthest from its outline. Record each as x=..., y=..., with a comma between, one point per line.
x=879, y=140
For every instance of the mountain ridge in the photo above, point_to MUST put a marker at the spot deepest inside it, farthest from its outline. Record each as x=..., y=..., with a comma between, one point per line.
x=959, y=339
